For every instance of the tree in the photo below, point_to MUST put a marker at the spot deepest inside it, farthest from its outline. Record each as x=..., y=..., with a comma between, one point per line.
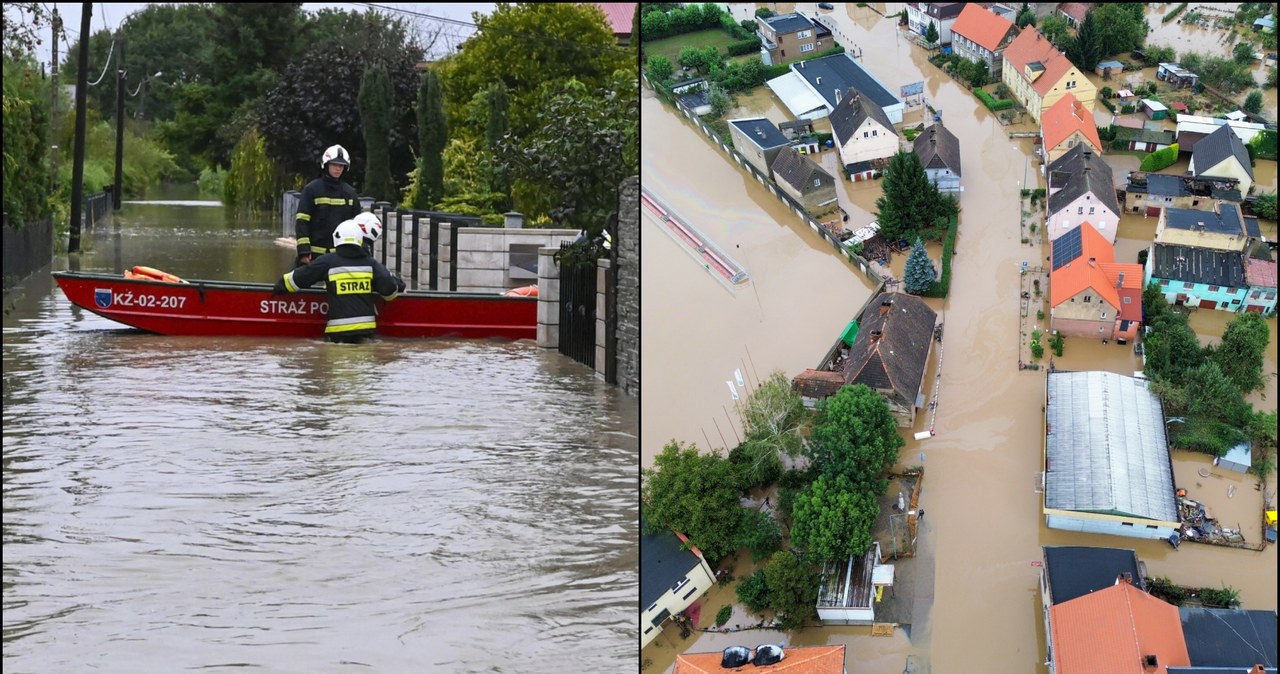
x=720, y=101
x=1240, y=354
x=1265, y=206
x=1253, y=102
x=1172, y=348
x=919, y=273
x=774, y=416
x=793, y=589
x=556, y=41
x=764, y=12
x=376, y=102
x=1088, y=47
x=695, y=494
x=26, y=140
x=832, y=519
x=931, y=34
x=432, y=137
x=1242, y=53
x=1056, y=30
x=659, y=68
x=759, y=533
x=1213, y=395
x=855, y=436
x=1026, y=16
x=1121, y=27
x=753, y=592
x=495, y=131
x=910, y=203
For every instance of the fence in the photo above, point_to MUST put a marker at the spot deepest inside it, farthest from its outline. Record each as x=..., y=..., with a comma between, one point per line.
x=796, y=207
x=578, y=312
x=26, y=249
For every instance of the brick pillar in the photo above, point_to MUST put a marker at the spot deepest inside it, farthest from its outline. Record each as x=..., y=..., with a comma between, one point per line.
x=391, y=234
x=424, y=254
x=603, y=277
x=548, y=299
x=445, y=248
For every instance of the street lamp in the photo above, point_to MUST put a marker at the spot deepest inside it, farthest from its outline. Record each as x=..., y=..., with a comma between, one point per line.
x=142, y=104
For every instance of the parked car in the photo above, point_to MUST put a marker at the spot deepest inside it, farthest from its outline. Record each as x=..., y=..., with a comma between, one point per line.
x=825, y=5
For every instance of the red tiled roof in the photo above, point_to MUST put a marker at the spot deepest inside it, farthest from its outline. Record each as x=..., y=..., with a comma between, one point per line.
x=1131, y=287
x=1076, y=10
x=619, y=15
x=1066, y=117
x=803, y=660
x=983, y=26
x=1114, y=631
x=1080, y=274
x=1031, y=46
x=1261, y=273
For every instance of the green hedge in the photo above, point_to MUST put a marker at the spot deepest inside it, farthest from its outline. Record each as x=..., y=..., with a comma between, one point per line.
x=942, y=286
x=1160, y=159
x=744, y=46
x=1264, y=145
x=993, y=104
x=1109, y=105
x=1174, y=12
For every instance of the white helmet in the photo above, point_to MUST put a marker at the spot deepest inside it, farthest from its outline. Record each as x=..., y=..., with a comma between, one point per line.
x=348, y=232
x=336, y=154
x=370, y=225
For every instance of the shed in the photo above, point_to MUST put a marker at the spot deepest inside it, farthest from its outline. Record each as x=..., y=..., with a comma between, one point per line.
x=1267, y=22
x=1154, y=109
x=1237, y=459
x=1236, y=116
x=1107, y=68
x=1179, y=107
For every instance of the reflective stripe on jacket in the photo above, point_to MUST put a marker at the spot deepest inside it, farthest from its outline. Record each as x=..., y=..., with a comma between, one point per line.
x=352, y=278
x=325, y=204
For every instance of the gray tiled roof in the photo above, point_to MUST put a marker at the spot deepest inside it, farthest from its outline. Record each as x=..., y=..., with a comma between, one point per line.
x=840, y=71
x=1075, y=571
x=1229, y=637
x=761, y=131
x=1082, y=171
x=853, y=110
x=1198, y=265
x=1106, y=447
x=1219, y=146
x=937, y=147
x=798, y=170
x=786, y=24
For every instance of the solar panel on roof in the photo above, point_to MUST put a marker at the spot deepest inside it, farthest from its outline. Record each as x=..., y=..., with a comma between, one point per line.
x=1067, y=248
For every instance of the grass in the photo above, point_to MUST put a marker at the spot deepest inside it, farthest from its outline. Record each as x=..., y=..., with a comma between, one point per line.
x=670, y=46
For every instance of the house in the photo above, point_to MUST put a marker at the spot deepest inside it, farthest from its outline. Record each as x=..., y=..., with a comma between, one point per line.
x=805, y=181
x=758, y=140
x=787, y=37
x=1266, y=23
x=1198, y=277
x=1116, y=629
x=1229, y=639
x=694, y=94
x=863, y=134
x=1038, y=74
x=1144, y=139
x=1107, y=465
x=941, y=14
x=981, y=36
x=849, y=589
x=1220, y=228
x=1221, y=154
x=767, y=659
x=939, y=153
x=1176, y=75
x=1192, y=128
x=1081, y=188
x=1154, y=109
x=619, y=16
x=1260, y=275
x=1065, y=125
x=1069, y=572
x=672, y=577
x=1090, y=294
x=796, y=128
x=1075, y=12
x=888, y=355
x=813, y=89
x=1148, y=193
x=1105, y=69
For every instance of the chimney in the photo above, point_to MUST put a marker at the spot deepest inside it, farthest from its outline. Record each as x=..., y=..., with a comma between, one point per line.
x=819, y=80
x=802, y=64
x=1150, y=662
x=1120, y=282
x=837, y=96
x=1093, y=261
x=885, y=305
x=875, y=336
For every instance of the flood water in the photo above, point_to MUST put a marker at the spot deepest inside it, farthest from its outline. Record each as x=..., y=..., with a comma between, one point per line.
x=984, y=538
x=298, y=506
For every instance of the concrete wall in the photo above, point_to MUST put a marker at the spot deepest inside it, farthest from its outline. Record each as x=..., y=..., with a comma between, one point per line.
x=483, y=255
x=1129, y=527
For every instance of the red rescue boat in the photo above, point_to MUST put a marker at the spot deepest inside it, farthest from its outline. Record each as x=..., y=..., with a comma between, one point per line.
x=221, y=308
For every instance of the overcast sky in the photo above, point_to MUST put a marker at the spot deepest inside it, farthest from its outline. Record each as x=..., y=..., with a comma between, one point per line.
x=108, y=15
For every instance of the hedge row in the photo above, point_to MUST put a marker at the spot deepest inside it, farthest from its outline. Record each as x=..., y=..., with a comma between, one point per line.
x=993, y=104
x=942, y=286
x=1174, y=12
x=1160, y=159
x=744, y=46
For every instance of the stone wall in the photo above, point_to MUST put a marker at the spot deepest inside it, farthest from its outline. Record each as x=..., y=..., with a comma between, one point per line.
x=483, y=256
x=627, y=239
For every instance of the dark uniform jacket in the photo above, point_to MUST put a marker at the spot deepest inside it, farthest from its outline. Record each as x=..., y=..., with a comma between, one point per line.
x=351, y=278
x=325, y=204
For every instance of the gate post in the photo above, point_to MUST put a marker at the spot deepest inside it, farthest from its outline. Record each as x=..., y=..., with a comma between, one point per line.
x=604, y=352
x=548, y=299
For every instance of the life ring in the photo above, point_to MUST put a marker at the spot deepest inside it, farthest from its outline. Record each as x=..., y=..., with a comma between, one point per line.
x=151, y=274
x=526, y=291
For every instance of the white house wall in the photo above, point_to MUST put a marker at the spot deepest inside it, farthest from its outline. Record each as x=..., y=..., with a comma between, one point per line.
x=1136, y=529
x=1067, y=219
x=880, y=146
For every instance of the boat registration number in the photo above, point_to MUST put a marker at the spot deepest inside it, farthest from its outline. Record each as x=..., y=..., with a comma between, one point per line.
x=147, y=301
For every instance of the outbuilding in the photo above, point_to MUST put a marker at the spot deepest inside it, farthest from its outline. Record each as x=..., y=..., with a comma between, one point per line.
x=1154, y=109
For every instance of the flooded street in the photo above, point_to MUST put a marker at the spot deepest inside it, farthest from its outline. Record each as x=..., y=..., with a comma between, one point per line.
x=298, y=506
x=986, y=528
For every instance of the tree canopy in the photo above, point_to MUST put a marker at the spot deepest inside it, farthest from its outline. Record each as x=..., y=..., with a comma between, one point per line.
x=1240, y=354
x=832, y=519
x=793, y=589
x=855, y=436
x=693, y=493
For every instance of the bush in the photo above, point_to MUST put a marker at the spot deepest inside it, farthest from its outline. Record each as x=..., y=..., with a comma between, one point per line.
x=1168, y=16
x=993, y=104
x=942, y=286
x=722, y=616
x=1037, y=350
x=744, y=46
x=1163, y=588
x=1160, y=159
x=1056, y=343
x=753, y=592
x=1264, y=206
x=1264, y=147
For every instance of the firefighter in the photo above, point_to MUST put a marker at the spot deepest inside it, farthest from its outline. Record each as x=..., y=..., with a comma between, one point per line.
x=352, y=278
x=371, y=227
x=326, y=202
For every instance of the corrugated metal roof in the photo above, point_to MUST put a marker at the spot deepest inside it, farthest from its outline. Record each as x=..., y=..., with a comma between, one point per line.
x=1106, y=447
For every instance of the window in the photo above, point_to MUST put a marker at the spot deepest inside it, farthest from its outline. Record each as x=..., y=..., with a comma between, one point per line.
x=808, y=46
x=1186, y=285
x=875, y=132
x=804, y=33
x=1091, y=210
x=1079, y=210
x=1128, y=300
x=817, y=182
x=1152, y=526
x=1071, y=84
x=1164, y=282
x=680, y=583
x=1126, y=524
x=1256, y=294
x=1088, y=299
x=782, y=52
x=1104, y=316
x=689, y=593
x=1213, y=289
x=655, y=605
x=648, y=630
x=866, y=134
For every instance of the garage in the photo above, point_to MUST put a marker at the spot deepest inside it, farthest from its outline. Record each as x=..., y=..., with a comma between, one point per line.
x=1208, y=304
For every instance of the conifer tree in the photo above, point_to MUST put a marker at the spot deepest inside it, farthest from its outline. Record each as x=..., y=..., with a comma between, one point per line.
x=919, y=273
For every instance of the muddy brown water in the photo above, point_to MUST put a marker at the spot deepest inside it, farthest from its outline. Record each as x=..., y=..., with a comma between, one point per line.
x=296, y=506
x=986, y=529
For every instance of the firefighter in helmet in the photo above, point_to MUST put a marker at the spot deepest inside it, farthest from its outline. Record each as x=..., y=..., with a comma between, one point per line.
x=326, y=202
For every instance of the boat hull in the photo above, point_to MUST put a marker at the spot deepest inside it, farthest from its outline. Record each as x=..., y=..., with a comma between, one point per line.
x=218, y=308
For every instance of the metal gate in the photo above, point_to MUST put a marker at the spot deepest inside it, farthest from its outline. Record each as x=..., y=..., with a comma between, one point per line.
x=578, y=313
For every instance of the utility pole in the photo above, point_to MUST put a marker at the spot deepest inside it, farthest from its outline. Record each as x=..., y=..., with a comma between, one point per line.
x=82, y=91
x=120, y=72
x=53, y=87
